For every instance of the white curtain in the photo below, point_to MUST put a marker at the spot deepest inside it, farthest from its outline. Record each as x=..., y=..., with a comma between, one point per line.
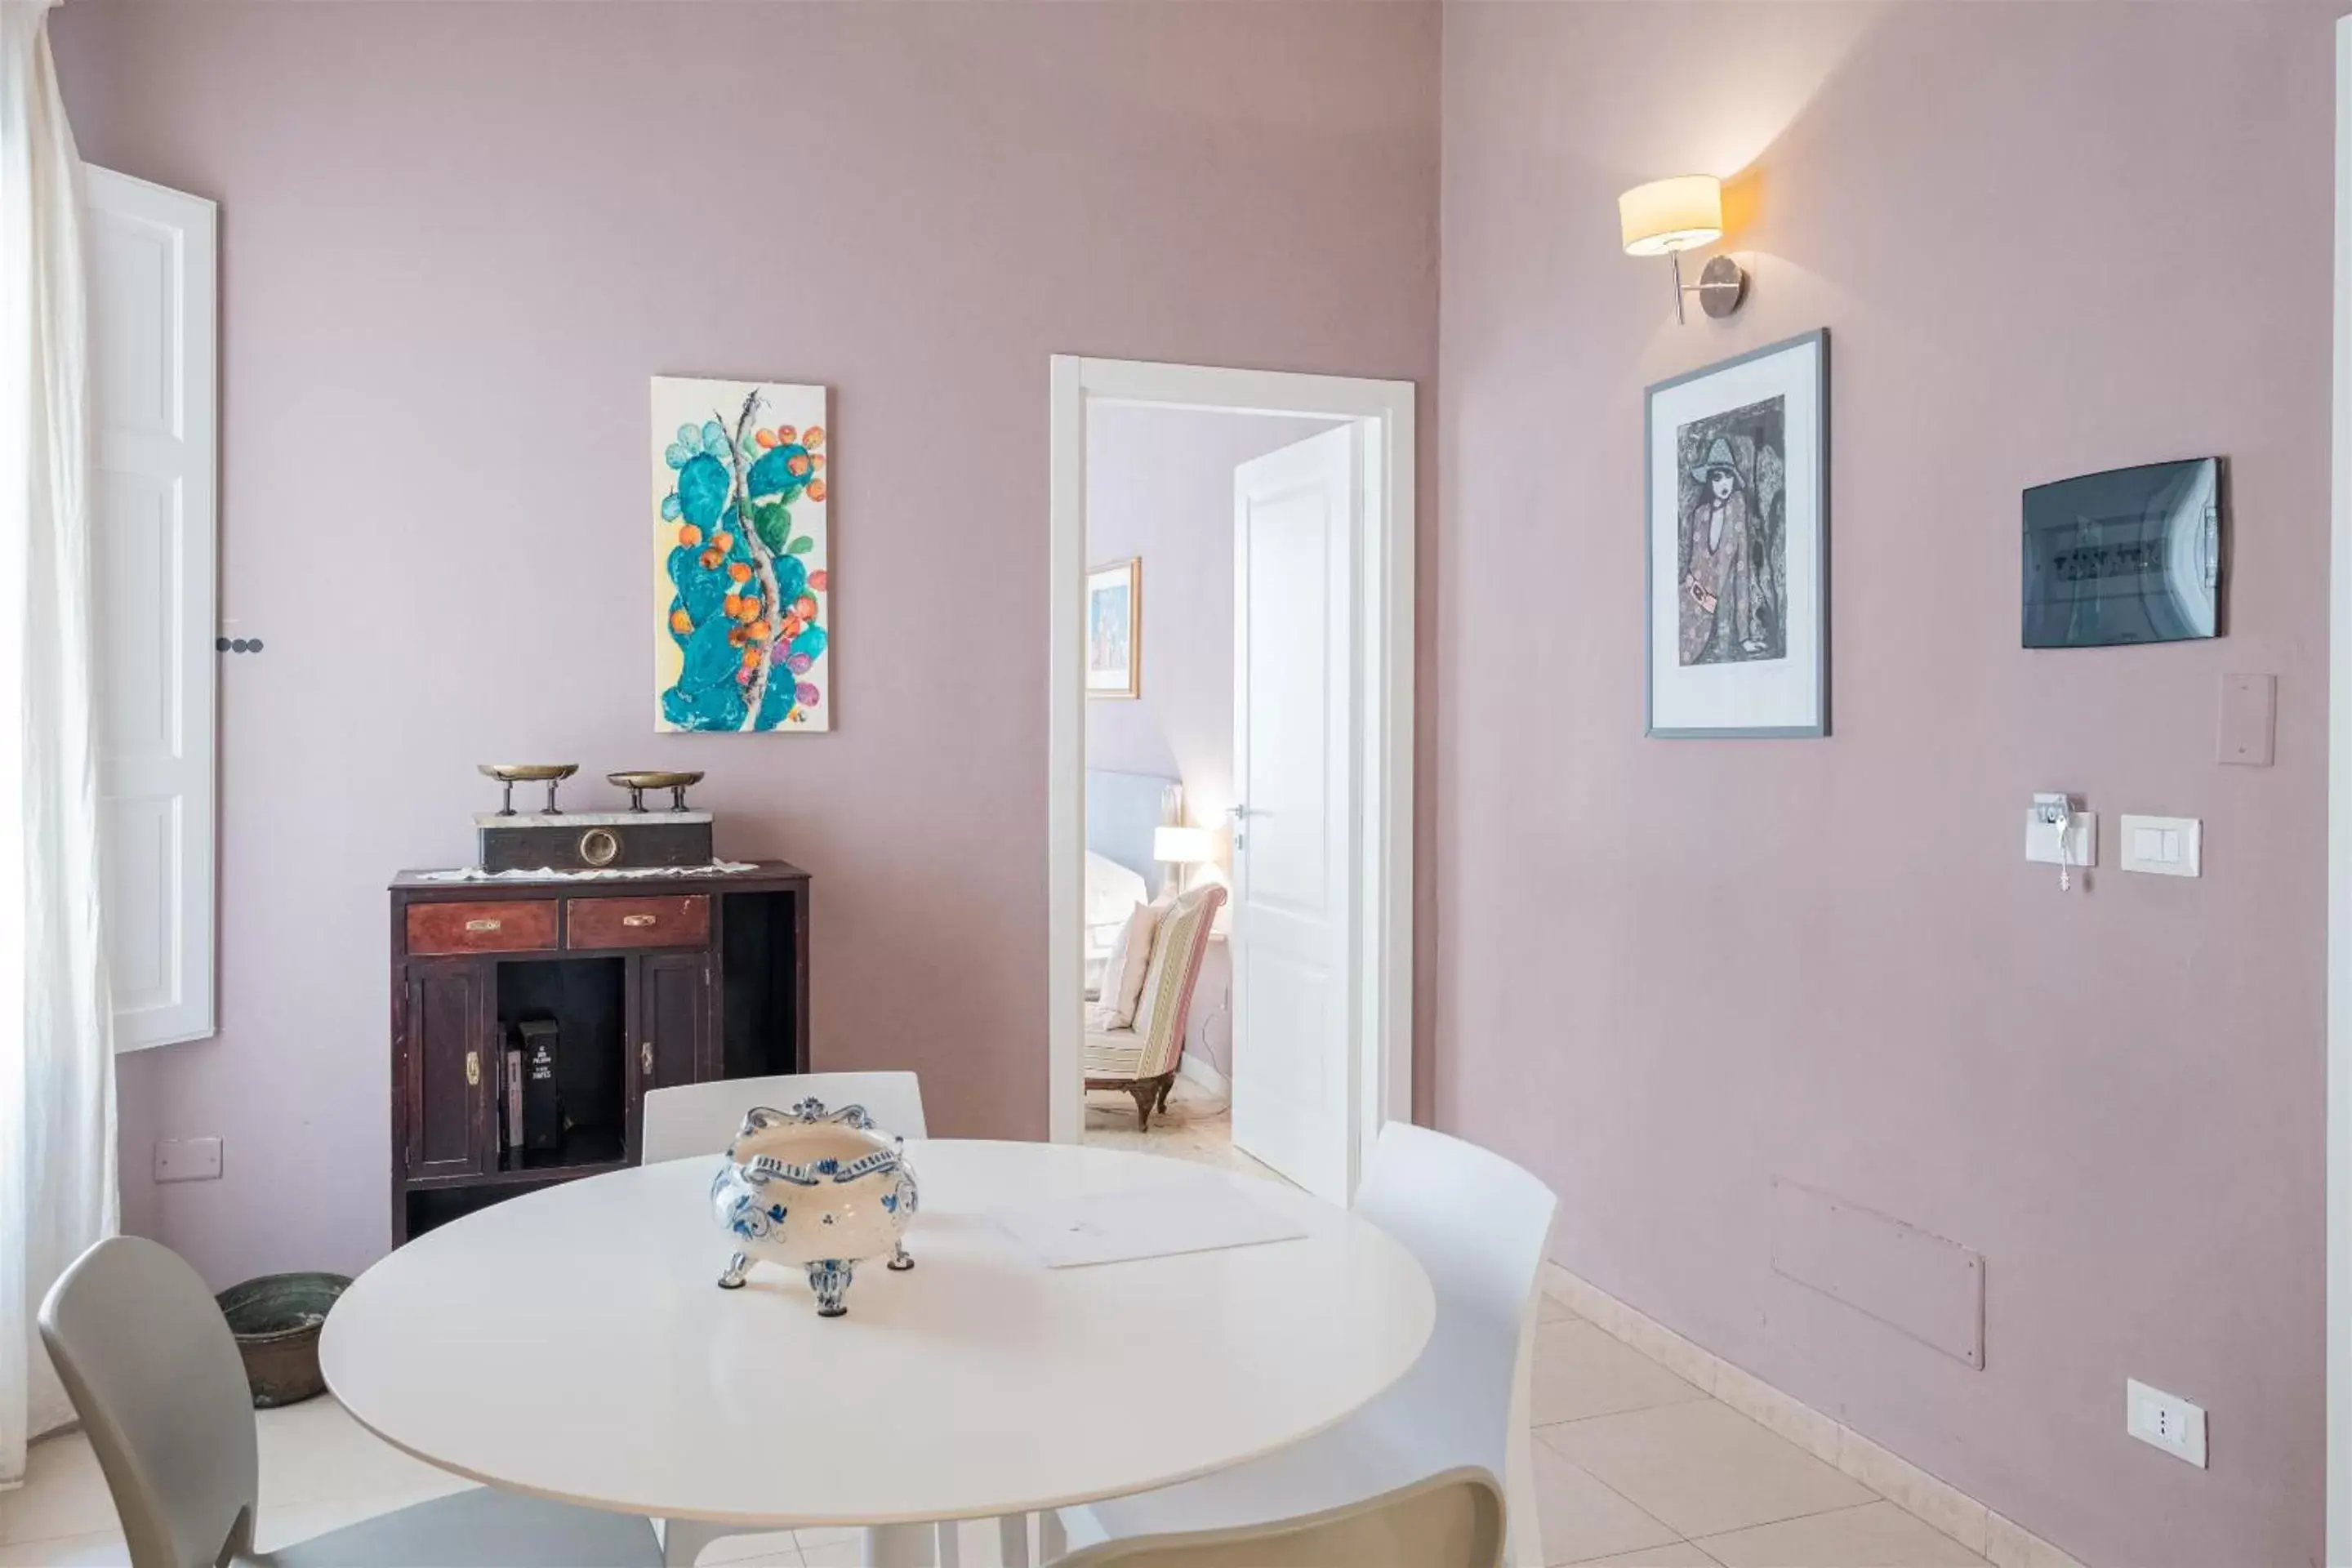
x=57, y=1188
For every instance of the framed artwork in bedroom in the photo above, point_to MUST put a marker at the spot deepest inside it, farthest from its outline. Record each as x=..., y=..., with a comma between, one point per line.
x=1115, y=629
x=1738, y=572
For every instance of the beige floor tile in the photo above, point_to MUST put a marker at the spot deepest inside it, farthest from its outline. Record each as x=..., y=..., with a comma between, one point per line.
x=1196, y=1126
x=1940, y=1504
x=737, y=1550
x=1580, y=1371
x=1875, y=1535
x=1703, y=1468
x=825, y=1536
x=850, y=1553
x=64, y=1493
x=2011, y=1545
x=1581, y=1519
x=314, y=1452
x=105, y=1548
x=1677, y=1554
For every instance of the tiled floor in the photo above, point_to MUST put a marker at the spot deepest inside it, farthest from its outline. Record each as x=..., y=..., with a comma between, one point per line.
x=1196, y=1126
x=1636, y=1467
x=1633, y=1466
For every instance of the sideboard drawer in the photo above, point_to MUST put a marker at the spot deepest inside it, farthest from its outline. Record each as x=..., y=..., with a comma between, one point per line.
x=680, y=921
x=524, y=926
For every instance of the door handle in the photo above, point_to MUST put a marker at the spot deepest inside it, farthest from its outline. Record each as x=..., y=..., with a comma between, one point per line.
x=473, y=1069
x=645, y=1057
x=638, y=920
x=481, y=925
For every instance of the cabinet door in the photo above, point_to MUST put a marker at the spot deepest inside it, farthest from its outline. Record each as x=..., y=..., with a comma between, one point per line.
x=673, y=1015
x=445, y=1069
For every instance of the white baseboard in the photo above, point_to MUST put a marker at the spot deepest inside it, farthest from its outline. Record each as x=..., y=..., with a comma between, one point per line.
x=2001, y=1541
x=1198, y=1070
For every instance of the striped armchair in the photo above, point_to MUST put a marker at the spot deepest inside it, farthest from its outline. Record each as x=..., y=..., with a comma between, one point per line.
x=1142, y=1059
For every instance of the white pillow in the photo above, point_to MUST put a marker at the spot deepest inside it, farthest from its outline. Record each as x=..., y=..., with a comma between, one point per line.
x=1111, y=890
x=1131, y=956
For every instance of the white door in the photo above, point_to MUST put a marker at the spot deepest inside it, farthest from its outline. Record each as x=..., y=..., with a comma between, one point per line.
x=153, y=392
x=1297, y=515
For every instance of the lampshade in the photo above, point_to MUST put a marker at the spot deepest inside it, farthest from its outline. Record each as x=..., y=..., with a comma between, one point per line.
x=1671, y=214
x=1181, y=846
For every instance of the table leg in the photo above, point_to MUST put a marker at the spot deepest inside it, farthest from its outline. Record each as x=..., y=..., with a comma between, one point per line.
x=1013, y=1539
x=902, y=1546
x=951, y=1544
x=684, y=1539
x=1052, y=1541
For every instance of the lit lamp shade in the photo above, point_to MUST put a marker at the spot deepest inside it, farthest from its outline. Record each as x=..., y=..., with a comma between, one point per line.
x=1182, y=846
x=1671, y=214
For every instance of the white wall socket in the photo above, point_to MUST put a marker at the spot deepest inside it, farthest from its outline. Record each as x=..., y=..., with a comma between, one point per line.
x=187, y=1159
x=2165, y=1421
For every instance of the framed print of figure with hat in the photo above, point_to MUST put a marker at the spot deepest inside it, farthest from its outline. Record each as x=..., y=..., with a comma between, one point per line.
x=1739, y=546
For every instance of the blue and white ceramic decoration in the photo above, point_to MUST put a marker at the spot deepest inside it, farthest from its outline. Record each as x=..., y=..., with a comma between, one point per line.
x=818, y=1189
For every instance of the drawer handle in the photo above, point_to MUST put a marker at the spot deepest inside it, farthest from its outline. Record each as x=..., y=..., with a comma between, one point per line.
x=639, y=921
x=473, y=1069
x=482, y=925
x=646, y=1058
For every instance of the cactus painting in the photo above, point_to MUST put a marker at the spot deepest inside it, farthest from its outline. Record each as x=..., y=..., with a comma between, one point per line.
x=743, y=599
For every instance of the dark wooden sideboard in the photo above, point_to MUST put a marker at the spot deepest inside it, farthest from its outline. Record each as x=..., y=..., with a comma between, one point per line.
x=649, y=980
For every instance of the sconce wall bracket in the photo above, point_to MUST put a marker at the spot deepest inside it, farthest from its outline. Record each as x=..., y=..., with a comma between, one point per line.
x=1722, y=286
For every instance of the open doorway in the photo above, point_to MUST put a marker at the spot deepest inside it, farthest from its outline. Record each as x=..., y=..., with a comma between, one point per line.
x=1230, y=791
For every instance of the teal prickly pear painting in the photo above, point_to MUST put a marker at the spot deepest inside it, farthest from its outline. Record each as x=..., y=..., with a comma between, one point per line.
x=742, y=593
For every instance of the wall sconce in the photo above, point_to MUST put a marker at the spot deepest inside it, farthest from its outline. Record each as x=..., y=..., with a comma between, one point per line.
x=1666, y=218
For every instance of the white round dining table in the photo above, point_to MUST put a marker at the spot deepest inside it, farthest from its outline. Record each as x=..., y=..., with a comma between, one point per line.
x=572, y=1344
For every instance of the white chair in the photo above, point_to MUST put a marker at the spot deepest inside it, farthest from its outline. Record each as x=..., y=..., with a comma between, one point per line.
x=703, y=1118
x=1477, y=1222
x=1451, y=1520
x=154, y=1372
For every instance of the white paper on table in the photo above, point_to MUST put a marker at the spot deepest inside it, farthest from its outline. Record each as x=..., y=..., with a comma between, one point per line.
x=1143, y=1222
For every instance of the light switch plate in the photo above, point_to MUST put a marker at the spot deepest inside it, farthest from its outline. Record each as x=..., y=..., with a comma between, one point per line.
x=2163, y=845
x=2082, y=840
x=187, y=1159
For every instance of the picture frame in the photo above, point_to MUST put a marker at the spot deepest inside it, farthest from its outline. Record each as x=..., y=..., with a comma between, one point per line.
x=1737, y=561
x=1115, y=629
x=742, y=582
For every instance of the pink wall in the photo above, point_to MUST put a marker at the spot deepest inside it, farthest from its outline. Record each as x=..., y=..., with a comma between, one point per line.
x=456, y=242
x=2046, y=239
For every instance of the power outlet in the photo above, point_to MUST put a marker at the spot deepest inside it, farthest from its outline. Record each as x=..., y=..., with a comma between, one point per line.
x=187, y=1160
x=2165, y=1421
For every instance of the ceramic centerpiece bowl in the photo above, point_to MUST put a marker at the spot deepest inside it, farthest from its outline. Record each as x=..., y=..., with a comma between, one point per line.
x=818, y=1189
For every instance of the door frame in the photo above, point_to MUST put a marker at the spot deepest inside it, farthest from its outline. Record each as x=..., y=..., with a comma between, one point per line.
x=2339, y=844
x=1380, y=955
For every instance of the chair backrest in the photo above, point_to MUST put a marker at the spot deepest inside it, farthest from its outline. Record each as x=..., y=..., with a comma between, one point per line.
x=1178, y=947
x=1478, y=1223
x=703, y=1118
x=1450, y=1521
x=154, y=1372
